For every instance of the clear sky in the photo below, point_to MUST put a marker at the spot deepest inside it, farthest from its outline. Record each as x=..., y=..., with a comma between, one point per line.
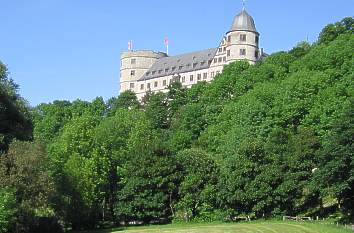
x=69, y=49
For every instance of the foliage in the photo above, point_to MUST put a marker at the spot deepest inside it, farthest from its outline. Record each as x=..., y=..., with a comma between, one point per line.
x=7, y=209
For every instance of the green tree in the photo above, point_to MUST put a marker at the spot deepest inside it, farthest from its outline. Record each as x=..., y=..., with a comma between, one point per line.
x=7, y=209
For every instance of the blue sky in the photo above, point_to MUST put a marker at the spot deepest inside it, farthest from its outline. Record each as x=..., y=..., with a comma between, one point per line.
x=69, y=49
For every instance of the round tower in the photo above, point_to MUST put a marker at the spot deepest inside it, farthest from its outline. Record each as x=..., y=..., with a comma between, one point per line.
x=243, y=39
x=133, y=65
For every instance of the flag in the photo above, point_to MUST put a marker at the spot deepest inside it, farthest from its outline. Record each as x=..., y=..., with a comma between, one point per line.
x=130, y=45
x=166, y=41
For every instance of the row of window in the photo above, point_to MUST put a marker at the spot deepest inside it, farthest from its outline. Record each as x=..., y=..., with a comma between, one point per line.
x=179, y=79
x=243, y=38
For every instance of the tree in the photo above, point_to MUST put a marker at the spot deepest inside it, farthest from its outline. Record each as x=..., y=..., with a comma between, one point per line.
x=198, y=172
x=332, y=31
x=15, y=121
x=126, y=100
x=7, y=209
x=335, y=173
x=24, y=169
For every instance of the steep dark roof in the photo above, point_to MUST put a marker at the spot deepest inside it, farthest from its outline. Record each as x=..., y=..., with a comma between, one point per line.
x=180, y=64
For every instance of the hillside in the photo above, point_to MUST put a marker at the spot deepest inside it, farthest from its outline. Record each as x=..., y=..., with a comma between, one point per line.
x=259, y=141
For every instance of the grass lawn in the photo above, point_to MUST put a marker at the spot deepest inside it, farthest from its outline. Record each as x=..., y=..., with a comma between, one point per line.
x=257, y=227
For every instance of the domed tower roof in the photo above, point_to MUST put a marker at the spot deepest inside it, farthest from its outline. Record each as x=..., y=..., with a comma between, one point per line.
x=243, y=22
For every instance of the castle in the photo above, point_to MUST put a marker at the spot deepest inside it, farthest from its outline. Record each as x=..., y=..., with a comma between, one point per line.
x=144, y=70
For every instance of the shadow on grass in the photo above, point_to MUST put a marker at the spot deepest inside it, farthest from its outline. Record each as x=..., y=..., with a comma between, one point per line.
x=102, y=230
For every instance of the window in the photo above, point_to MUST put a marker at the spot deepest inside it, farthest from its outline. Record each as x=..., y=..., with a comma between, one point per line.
x=199, y=77
x=132, y=86
x=173, y=68
x=212, y=74
x=215, y=60
x=224, y=49
x=132, y=72
x=256, y=54
x=257, y=40
x=224, y=59
x=183, y=79
x=220, y=59
x=220, y=50
x=164, y=83
x=228, y=53
x=154, y=72
x=142, y=87
x=202, y=63
x=148, y=86
x=133, y=61
x=155, y=84
x=243, y=37
x=205, y=75
x=195, y=65
x=243, y=52
x=166, y=70
x=147, y=73
x=191, y=78
x=229, y=39
x=180, y=67
x=160, y=71
x=217, y=72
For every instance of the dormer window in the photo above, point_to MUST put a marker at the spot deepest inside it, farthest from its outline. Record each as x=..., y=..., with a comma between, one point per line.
x=154, y=72
x=166, y=70
x=180, y=67
x=195, y=65
x=174, y=68
x=147, y=73
x=160, y=71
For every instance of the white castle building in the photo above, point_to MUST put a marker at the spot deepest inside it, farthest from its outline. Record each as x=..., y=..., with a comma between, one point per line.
x=145, y=70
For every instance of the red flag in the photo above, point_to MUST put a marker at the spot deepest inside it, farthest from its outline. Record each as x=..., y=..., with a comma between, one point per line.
x=166, y=41
x=130, y=45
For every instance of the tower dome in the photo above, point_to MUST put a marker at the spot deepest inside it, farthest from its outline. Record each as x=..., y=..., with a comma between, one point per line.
x=243, y=22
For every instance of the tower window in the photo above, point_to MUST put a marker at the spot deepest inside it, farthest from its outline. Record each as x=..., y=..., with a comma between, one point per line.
x=243, y=37
x=220, y=50
x=133, y=61
x=256, y=54
x=132, y=72
x=215, y=60
x=224, y=49
x=257, y=40
x=229, y=39
x=131, y=85
x=243, y=52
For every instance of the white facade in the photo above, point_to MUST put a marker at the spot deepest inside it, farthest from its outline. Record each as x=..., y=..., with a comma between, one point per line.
x=144, y=70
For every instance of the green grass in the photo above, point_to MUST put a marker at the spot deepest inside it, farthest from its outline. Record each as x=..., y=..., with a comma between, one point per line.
x=257, y=227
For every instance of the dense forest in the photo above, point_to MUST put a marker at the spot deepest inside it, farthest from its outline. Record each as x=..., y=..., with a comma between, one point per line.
x=262, y=141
